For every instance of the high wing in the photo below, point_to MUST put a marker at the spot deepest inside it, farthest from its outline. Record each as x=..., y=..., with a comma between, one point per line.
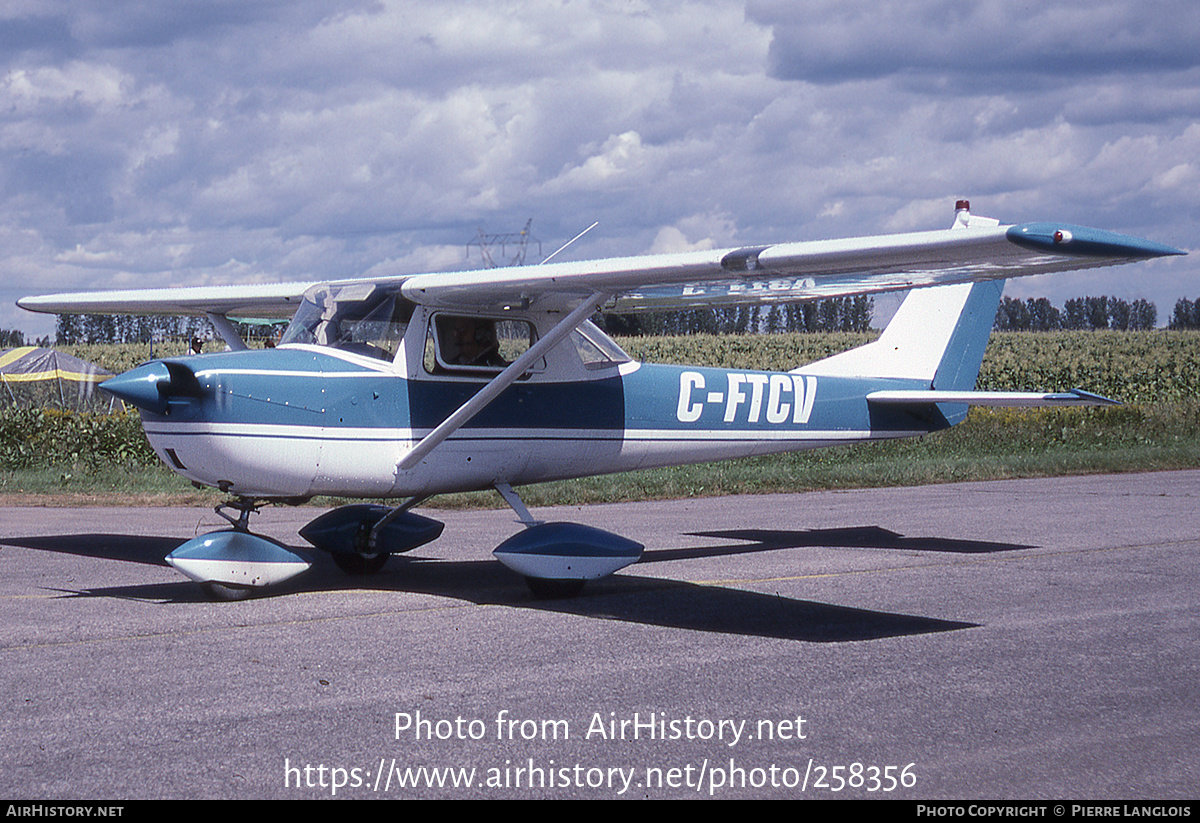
x=974, y=249
x=273, y=300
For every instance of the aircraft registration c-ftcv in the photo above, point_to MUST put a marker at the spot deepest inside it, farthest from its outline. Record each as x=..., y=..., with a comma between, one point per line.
x=405, y=387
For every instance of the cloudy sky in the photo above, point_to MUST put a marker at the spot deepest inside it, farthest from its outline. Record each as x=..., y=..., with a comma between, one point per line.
x=146, y=143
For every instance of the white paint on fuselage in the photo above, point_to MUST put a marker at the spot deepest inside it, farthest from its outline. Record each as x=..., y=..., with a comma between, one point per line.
x=298, y=461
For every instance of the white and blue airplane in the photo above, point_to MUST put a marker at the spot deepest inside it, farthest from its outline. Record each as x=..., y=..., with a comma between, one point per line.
x=405, y=387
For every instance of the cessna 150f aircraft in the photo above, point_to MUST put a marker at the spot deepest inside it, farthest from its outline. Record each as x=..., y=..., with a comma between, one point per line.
x=410, y=386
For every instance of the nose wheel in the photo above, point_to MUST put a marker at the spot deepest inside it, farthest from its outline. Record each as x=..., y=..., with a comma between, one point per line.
x=361, y=537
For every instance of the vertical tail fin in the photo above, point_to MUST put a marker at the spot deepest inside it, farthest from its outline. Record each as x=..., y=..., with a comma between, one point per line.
x=959, y=367
x=937, y=336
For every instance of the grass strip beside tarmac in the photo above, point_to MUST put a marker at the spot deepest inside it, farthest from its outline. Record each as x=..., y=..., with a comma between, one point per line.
x=991, y=444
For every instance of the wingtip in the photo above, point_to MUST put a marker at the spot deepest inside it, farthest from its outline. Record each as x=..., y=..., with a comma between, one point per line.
x=29, y=304
x=1065, y=239
x=1094, y=399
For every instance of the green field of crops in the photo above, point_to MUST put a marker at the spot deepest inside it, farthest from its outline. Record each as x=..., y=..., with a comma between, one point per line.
x=1155, y=373
x=1134, y=367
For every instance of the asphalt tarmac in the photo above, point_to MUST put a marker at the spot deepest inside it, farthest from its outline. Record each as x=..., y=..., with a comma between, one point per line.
x=1033, y=639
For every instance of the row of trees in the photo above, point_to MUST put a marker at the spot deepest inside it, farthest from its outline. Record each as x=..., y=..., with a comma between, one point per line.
x=98, y=328
x=1186, y=315
x=14, y=339
x=853, y=313
x=833, y=314
x=1079, y=313
x=856, y=314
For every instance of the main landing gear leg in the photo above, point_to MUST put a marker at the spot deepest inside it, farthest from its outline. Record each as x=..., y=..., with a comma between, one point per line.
x=556, y=559
x=245, y=507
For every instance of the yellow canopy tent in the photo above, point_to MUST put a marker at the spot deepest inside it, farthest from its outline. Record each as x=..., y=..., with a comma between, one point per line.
x=38, y=378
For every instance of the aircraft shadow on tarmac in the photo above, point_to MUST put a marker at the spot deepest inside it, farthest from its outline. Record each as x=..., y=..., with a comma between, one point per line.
x=856, y=537
x=622, y=597
x=128, y=547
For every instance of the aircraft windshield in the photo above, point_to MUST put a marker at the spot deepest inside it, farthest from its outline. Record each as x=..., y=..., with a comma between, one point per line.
x=361, y=318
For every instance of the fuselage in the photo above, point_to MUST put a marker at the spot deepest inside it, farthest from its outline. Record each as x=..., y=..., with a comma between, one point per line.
x=303, y=420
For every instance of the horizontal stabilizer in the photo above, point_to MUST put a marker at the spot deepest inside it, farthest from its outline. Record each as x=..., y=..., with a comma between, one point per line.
x=1074, y=397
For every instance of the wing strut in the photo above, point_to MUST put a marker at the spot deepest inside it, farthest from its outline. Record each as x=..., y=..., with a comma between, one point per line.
x=502, y=381
x=227, y=331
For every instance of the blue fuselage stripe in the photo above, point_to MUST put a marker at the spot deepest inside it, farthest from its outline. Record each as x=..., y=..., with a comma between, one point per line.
x=270, y=393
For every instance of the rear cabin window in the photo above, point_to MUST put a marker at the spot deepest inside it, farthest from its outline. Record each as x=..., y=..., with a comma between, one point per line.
x=596, y=349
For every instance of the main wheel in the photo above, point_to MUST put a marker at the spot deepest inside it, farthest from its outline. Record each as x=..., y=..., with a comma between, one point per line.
x=225, y=592
x=360, y=564
x=545, y=588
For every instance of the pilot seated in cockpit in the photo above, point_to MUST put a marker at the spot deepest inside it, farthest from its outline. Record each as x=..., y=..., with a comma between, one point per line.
x=471, y=341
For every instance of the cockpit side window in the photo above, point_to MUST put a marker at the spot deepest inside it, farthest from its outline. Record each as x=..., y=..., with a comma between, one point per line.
x=361, y=318
x=471, y=345
x=469, y=341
